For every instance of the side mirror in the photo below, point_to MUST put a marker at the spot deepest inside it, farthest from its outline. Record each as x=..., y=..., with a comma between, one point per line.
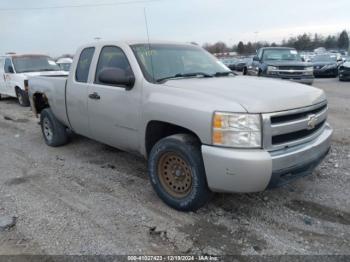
x=10, y=69
x=256, y=58
x=116, y=76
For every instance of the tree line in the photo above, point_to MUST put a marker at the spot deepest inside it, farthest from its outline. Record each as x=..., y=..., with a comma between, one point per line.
x=302, y=42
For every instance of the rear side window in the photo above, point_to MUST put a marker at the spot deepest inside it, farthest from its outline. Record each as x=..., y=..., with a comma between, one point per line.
x=83, y=66
x=112, y=57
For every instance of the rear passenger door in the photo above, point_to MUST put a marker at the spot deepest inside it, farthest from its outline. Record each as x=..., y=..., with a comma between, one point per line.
x=77, y=93
x=114, y=109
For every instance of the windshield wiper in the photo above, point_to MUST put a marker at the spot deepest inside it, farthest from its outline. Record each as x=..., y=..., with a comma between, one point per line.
x=180, y=75
x=46, y=69
x=226, y=73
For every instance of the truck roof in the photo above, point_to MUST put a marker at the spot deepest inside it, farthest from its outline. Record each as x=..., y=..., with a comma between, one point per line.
x=134, y=42
x=272, y=48
x=21, y=55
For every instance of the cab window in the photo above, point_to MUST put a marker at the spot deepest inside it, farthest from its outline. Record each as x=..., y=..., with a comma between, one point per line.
x=83, y=66
x=8, y=65
x=112, y=57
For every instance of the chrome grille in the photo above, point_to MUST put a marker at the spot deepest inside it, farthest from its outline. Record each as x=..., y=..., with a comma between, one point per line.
x=291, y=67
x=293, y=127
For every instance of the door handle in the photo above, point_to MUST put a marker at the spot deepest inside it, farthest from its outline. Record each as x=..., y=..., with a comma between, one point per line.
x=94, y=96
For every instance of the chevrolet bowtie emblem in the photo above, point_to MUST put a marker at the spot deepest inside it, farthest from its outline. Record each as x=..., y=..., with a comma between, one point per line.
x=311, y=121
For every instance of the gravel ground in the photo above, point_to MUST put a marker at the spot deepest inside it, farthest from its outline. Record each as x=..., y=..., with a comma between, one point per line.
x=88, y=198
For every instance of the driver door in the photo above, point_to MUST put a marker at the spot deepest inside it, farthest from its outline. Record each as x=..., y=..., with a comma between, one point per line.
x=8, y=78
x=114, y=109
x=2, y=76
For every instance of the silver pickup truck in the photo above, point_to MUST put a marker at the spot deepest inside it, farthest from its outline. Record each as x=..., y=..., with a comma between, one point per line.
x=202, y=128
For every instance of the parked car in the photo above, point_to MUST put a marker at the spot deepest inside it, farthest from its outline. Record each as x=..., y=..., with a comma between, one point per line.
x=248, y=65
x=65, y=63
x=344, y=71
x=202, y=128
x=15, y=70
x=229, y=62
x=239, y=65
x=282, y=63
x=325, y=65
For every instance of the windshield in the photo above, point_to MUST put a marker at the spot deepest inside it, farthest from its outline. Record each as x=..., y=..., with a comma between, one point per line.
x=281, y=55
x=324, y=58
x=34, y=64
x=161, y=61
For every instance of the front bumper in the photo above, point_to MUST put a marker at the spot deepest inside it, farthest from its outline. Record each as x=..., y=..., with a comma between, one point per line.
x=344, y=75
x=304, y=79
x=245, y=171
x=326, y=72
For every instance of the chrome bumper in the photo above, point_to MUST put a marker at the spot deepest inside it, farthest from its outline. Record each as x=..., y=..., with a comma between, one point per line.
x=244, y=171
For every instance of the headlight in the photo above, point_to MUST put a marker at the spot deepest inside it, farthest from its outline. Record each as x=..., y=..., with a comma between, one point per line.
x=271, y=68
x=237, y=130
x=309, y=70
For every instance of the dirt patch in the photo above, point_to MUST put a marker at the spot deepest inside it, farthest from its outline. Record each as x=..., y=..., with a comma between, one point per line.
x=320, y=211
x=220, y=239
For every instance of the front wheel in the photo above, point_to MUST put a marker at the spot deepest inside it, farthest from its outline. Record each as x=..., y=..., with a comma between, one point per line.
x=55, y=134
x=177, y=173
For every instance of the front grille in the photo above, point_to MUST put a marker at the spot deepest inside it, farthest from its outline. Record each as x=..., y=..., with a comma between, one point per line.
x=290, y=73
x=291, y=67
x=286, y=138
x=289, y=128
x=296, y=116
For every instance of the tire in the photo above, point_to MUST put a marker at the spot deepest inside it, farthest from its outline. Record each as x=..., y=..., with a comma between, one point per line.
x=178, y=159
x=55, y=134
x=23, y=98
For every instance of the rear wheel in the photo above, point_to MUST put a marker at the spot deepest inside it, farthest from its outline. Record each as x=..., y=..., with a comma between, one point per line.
x=177, y=172
x=22, y=97
x=55, y=134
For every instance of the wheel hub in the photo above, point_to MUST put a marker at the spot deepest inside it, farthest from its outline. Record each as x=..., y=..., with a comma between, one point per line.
x=47, y=129
x=175, y=174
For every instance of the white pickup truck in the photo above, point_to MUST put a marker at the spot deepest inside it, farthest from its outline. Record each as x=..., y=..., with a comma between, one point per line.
x=15, y=70
x=202, y=128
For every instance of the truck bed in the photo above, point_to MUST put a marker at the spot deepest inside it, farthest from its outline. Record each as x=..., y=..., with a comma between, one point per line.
x=55, y=89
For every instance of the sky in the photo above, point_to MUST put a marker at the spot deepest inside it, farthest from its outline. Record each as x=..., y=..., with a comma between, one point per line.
x=54, y=27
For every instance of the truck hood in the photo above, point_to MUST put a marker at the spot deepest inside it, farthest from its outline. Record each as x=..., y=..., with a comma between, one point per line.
x=45, y=73
x=287, y=63
x=254, y=94
x=346, y=64
x=324, y=63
